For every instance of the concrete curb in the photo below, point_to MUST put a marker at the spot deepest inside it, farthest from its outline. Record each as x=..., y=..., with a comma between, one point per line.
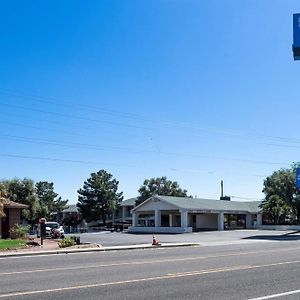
x=100, y=249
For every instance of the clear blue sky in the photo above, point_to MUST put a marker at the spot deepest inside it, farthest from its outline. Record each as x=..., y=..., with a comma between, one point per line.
x=198, y=91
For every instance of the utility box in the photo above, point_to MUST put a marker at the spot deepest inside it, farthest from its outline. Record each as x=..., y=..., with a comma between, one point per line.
x=296, y=40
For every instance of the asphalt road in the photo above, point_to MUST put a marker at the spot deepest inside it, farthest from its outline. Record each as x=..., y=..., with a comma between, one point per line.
x=205, y=238
x=240, y=271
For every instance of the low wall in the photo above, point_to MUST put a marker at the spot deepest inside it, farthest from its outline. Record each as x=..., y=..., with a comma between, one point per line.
x=279, y=227
x=159, y=229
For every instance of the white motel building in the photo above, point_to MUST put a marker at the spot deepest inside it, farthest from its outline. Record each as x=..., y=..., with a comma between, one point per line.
x=162, y=214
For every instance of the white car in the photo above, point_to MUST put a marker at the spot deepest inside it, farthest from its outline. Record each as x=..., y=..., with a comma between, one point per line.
x=50, y=226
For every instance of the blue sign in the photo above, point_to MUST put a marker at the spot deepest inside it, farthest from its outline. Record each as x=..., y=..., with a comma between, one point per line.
x=296, y=43
x=298, y=178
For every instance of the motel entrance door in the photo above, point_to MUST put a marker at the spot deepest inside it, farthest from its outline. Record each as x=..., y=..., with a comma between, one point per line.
x=234, y=221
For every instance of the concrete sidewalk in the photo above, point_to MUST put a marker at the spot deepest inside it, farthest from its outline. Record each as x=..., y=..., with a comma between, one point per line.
x=97, y=249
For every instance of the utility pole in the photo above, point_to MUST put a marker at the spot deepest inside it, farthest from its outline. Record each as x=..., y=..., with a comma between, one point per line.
x=227, y=198
x=222, y=189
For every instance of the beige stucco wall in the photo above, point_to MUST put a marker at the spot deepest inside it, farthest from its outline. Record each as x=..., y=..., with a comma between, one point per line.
x=207, y=221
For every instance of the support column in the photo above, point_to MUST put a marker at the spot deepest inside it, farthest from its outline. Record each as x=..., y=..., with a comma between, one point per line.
x=249, y=221
x=170, y=220
x=259, y=220
x=134, y=219
x=157, y=218
x=123, y=213
x=221, y=221
x=184, y=218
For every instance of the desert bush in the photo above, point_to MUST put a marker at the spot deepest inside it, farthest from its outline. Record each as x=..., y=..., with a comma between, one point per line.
x=19, y=232
x=66, y=242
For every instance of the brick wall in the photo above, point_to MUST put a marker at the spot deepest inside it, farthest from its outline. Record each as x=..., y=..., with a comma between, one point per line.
x=14, y=216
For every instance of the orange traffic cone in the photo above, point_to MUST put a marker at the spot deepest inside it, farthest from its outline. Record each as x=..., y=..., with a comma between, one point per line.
x=154, y=241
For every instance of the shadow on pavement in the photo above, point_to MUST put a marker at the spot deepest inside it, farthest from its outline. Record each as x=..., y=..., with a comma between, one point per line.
x=292, y=236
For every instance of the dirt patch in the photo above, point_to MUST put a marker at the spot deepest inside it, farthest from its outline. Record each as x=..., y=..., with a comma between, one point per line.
x=35, y=244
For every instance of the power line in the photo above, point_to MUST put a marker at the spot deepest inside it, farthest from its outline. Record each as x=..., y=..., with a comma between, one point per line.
x=190, y=155
x=215, y=172
x=54, y=100
x=183, y=125
x=60, y=130
x=62, y=160
x=74, y=116
x=41, y=128
x=284, y=146
x=70, y=144
x=106, y=122
x=106, y=148
x=118, y=165
x=125, y=150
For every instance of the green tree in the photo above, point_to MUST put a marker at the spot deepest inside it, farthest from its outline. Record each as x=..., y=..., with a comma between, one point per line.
x=49, y=201
x=275, y=209
x=18, y=190
x=282, y=183
x=73, y=219
x=40, y=197
x=99, y=196
x=32, y=213
x=22, y=191
x=159, y=186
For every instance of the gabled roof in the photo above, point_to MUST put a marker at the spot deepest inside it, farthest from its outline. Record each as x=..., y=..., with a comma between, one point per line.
x=129, y=202
x=71, y=208
x=207, y=204
x=11, y=204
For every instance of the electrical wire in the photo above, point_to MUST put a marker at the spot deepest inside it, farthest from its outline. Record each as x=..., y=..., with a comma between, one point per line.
x=27, y=157
x=183, y=125
x=126, y=150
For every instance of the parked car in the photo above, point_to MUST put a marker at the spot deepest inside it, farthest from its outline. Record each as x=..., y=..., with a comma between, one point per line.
x=50, y=227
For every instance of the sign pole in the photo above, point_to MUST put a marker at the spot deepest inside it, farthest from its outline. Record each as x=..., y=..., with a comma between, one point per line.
x=42, y=222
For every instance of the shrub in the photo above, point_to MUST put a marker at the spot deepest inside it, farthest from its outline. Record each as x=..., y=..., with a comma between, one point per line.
x=66, y=242
x=19, y=232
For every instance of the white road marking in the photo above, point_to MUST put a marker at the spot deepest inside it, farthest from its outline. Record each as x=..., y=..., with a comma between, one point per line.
x=277, y=295
x=168, y=276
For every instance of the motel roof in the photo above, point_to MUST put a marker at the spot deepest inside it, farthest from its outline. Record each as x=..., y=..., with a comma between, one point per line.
x=129, y=202
x=205, y=204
